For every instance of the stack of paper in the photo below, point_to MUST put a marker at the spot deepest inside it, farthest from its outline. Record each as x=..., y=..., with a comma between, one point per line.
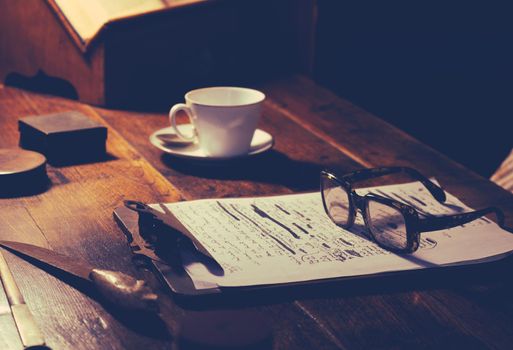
x=290, y=238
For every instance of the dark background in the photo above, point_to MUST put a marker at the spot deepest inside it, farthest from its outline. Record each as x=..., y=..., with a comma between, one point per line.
x=442, y=71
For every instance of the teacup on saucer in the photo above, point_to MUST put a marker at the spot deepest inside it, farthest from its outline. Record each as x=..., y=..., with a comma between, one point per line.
x=164, y=140
x=224, y=119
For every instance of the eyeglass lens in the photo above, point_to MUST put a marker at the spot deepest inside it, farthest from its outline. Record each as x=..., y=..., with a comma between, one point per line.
x=336, y=199
x=387, y=225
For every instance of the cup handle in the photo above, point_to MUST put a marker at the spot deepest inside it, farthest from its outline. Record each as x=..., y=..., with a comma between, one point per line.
x=172, y=119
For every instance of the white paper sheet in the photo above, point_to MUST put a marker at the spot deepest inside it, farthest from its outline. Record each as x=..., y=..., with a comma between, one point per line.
x=290, y=238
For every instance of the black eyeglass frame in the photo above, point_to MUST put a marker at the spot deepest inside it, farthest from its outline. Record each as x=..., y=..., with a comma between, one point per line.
x=414, y=223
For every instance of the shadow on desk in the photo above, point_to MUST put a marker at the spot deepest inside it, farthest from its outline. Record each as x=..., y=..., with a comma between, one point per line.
x=271, y=167
x=71, y=160
x=487, y=280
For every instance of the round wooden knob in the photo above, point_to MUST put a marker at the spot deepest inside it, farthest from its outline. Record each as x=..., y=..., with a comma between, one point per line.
x=21, y=172
x=224, y=330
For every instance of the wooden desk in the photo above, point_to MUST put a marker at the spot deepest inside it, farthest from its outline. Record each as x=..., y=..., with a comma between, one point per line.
x=313, y=129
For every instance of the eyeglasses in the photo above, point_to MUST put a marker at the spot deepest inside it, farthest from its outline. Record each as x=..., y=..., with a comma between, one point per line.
x=394, y=225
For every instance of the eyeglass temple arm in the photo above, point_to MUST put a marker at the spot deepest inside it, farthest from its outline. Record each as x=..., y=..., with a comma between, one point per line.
x=366, y=174
x=449, y=221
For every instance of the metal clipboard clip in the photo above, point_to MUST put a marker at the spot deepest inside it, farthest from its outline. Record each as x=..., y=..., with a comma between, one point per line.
x=162, y=233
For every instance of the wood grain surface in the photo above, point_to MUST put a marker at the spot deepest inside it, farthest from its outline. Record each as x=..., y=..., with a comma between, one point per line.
x=464, y=308
x=44, y=45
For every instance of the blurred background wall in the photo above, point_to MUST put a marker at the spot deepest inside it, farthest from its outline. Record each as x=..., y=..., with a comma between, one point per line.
x=441, y=70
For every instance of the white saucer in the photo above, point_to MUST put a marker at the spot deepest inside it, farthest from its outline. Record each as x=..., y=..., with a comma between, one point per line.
x=165, y=139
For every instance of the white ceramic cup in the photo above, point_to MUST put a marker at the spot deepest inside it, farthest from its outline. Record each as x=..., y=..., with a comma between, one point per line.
x=224, y=119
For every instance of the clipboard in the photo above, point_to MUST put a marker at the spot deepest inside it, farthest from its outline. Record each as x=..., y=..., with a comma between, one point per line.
x=175, y=278
x=177, y=281
x=170, y=274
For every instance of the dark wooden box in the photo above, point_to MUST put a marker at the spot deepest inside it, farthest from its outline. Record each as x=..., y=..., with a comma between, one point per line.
x=64, y=138
x=150, y=56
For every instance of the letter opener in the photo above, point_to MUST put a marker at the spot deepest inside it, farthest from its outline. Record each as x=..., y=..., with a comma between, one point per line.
x=27, y=328
x=118, y=288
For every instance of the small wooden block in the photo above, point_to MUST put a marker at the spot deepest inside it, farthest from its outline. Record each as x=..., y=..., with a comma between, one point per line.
x=21, y=171
x=65, y=138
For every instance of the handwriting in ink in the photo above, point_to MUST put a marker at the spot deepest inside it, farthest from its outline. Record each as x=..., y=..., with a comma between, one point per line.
x=227, y=211
x=263, y=230
x=300, y=228
x=281, y=208
x=267, y=216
